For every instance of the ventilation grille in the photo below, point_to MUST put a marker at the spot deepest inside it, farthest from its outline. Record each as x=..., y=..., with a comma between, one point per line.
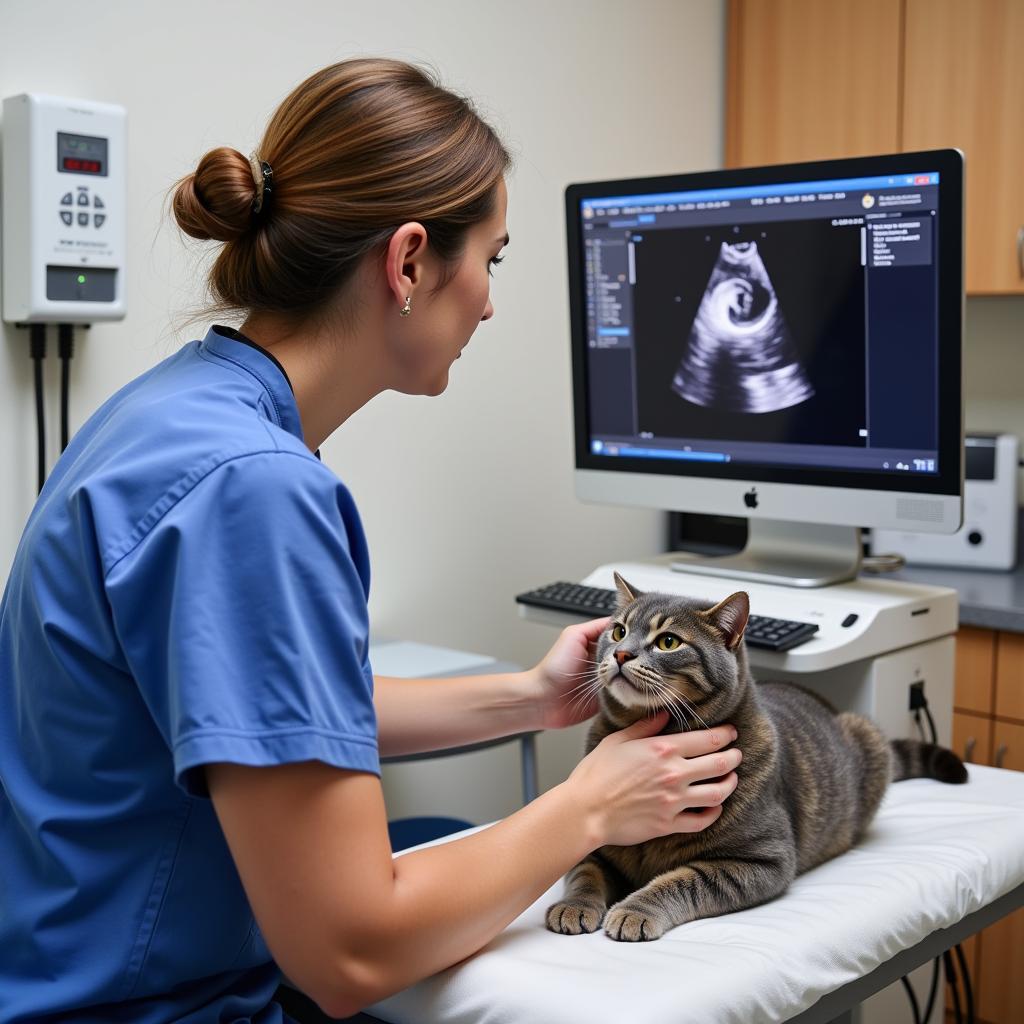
x=920, y=510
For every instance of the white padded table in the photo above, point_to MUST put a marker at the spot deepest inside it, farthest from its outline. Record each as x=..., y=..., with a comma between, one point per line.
x=938, y=863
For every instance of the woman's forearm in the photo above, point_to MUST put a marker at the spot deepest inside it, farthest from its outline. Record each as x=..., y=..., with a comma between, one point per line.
x=445, y=905
x=415, y=715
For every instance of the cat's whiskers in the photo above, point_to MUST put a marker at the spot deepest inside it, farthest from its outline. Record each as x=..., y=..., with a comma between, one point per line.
x=693, y=711
x=581, y=694
x=661, y=693
x=669, y=698
x=584, y=684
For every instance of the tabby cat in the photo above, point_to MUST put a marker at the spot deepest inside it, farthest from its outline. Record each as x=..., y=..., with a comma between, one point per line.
x=810, y=781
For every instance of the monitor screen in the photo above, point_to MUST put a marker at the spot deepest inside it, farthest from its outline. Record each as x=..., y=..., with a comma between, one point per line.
x=794, y=324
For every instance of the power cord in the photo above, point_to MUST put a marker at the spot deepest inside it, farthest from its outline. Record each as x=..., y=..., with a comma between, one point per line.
x=66, y=349
x=37, y=337
x=878, y=564
x=933, y=990
x=919, y=703
x=915, y=1009
x=965, y=977
x=954, y=991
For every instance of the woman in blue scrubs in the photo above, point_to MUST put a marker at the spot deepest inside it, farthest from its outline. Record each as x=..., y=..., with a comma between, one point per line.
x=190, y=730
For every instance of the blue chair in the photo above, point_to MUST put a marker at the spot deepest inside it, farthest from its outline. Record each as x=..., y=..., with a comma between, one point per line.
x=406, y=832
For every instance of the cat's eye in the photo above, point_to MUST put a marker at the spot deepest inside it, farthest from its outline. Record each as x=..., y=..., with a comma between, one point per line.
x=668, y=642
x=618, y=632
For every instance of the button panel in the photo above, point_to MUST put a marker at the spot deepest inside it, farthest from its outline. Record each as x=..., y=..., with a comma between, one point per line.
x=83, y=199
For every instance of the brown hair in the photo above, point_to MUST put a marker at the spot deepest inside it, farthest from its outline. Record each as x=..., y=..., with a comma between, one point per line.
x=357, y=149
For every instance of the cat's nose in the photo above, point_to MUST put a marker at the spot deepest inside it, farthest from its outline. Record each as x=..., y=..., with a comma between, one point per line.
x=621, y=656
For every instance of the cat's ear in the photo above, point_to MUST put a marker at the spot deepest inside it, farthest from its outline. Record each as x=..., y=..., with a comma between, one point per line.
x=626, y=592
x=730, y=616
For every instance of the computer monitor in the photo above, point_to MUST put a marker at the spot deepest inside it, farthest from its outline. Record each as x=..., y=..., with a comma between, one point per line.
x=779, y=342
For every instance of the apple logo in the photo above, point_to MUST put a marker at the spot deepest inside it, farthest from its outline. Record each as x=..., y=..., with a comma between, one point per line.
x=750, y=498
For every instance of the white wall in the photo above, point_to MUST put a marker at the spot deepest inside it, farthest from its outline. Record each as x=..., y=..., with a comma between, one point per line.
x=467, y=499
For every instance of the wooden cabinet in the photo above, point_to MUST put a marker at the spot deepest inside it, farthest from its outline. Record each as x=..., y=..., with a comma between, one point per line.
x=988, y=727
x=811, y=80
x=963, y=82
x=975, y=671
x=1009, y=697
x=817, y=79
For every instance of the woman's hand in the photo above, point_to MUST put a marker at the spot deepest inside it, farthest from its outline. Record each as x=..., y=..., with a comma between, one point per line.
x=636, y=785
x=566, y=678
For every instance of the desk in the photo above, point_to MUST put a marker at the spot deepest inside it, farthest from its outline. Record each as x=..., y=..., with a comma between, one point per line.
x=424, y=661
x=938, y=863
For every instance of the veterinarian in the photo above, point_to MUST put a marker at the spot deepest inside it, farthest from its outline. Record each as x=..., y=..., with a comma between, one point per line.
x=190, y=733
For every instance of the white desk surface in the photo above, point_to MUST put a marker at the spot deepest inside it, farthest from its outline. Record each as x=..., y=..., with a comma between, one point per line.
x=934, y=855
x=405, y=659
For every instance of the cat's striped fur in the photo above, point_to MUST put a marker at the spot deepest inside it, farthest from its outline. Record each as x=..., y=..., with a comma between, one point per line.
x=810, y=781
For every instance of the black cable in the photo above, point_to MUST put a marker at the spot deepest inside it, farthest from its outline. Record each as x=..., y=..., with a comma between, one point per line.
x=954, y=990
x=66, y=343
x=965, y=977
x=917, y=722
x=37, y=336
x=931, y=722
x=933, y=990
x=913, y=1000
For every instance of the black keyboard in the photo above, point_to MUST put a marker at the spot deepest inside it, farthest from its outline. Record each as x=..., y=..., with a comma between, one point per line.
x=594, y=602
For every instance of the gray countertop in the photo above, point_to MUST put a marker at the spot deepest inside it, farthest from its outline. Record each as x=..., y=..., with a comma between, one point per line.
x=988, y=598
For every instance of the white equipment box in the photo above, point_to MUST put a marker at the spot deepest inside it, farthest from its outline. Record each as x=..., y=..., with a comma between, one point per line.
x=63, y=210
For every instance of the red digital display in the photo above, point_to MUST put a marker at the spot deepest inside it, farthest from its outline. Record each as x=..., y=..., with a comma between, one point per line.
x=74, y=163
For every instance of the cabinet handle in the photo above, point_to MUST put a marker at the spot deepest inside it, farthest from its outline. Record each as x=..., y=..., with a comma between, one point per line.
x=1020, y=250
x=1000, y=755
x=969, y=749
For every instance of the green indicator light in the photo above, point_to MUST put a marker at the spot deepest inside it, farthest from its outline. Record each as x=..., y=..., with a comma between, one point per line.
x=81, y=278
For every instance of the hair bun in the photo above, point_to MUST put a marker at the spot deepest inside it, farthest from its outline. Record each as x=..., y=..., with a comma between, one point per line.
x=215, y=201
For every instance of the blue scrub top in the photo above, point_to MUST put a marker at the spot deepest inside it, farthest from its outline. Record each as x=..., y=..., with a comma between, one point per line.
x=191, y=587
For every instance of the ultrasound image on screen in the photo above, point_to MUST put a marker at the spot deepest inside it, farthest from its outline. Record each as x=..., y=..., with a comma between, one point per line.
x=753, y=332
x=739, y=354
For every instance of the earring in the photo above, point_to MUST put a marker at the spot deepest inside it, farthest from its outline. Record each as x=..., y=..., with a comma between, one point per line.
x=407, y=308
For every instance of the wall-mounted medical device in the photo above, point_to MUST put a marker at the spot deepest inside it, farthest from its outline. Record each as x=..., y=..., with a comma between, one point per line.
x=63, y=210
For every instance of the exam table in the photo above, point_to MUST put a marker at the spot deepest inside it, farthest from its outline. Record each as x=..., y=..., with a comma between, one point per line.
x=938, y=864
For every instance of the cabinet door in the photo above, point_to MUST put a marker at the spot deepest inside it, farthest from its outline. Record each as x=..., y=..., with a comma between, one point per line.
x=963, y=83
x=975, y=670
x=972, y=737
x=811, y=80
x=1008, y=748
x=1009, y=701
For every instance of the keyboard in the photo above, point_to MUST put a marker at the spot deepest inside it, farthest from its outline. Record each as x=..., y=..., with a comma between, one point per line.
x=595, y=602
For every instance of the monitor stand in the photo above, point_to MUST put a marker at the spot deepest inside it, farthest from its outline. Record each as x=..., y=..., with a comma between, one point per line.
x=789, y=554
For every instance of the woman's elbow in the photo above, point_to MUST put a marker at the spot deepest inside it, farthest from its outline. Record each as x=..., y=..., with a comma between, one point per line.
x=350, y=986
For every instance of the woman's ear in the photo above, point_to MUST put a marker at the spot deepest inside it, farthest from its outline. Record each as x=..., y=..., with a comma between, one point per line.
x=404, y=261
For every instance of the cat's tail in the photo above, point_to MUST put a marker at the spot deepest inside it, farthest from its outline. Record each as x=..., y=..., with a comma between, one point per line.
x=912, y=759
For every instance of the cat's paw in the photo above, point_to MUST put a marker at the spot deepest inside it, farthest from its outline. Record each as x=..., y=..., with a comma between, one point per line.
x=574, y=918
x=625, y=924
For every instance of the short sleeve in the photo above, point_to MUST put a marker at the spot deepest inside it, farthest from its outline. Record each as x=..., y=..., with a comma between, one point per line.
x=242, y=616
